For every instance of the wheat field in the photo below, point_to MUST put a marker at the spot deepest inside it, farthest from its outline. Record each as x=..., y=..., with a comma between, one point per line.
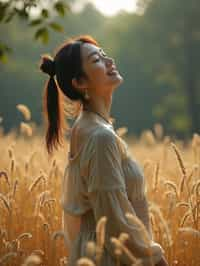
x=30, y=188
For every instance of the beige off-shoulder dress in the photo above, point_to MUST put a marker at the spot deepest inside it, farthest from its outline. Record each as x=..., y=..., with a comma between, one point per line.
x=101, y=178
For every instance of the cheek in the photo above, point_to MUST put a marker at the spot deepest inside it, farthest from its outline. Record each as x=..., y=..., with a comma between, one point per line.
x=98, y=73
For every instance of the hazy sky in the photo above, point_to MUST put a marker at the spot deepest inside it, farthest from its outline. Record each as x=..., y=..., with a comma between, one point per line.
x=109, y=7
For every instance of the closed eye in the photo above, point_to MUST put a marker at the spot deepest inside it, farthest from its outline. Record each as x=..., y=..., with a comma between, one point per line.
x=97, y=60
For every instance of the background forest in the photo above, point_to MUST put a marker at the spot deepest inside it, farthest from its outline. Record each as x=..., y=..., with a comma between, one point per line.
x=156, y=50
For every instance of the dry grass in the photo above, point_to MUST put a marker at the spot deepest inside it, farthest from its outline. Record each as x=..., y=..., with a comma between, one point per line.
x=30, y=190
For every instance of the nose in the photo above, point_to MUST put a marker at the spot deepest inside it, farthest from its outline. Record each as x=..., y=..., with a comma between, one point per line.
x=110, y=61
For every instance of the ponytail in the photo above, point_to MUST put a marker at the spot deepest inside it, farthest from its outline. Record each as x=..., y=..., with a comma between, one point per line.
x=67, y=64
x=53, y=110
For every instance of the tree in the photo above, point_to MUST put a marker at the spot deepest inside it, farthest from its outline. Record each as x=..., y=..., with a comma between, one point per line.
x=173, y=27
x=25, y=9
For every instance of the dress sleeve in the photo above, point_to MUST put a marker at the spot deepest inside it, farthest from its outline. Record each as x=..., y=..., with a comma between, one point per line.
x=142, y=209
x=108, y=197
x=137, y=191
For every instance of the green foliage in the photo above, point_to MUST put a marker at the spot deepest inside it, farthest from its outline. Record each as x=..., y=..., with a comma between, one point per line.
x=42, y=34
x=45, y=13
x=154, y=52
x=61, y=7
x=35, y=22
x=55, y=26
x=174, y=36
x=4, y=50
x=10, y=9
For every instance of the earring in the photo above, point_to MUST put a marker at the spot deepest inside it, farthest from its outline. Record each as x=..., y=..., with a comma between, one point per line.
x=87, y=97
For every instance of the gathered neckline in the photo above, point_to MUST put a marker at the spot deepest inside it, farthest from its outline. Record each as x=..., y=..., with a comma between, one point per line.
x=102, y=122
x=98, y=117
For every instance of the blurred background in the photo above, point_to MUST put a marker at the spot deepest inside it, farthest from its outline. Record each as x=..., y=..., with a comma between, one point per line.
x=155, y=44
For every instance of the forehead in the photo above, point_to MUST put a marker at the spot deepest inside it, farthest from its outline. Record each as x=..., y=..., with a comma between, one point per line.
x=89, y=48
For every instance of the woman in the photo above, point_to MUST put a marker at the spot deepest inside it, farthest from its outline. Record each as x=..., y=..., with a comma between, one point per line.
x=101, y=178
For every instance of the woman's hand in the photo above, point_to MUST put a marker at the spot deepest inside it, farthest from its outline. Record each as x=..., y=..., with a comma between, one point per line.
x=162, y=262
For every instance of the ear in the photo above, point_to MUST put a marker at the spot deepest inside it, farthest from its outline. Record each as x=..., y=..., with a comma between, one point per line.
x=79, y=84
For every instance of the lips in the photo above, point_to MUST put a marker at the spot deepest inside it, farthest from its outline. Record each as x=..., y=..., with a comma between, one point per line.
x=112, y=71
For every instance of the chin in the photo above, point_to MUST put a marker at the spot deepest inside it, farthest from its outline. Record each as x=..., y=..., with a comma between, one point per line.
x=120, y=80
x=116, y=82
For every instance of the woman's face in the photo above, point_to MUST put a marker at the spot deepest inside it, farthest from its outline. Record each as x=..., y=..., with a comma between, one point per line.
x=102, y=75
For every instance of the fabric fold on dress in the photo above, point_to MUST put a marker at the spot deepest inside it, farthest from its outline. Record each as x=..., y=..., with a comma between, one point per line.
x=101, y=179
x=108, y=197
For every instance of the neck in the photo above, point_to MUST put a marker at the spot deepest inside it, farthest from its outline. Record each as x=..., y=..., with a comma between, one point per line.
x=101, y=106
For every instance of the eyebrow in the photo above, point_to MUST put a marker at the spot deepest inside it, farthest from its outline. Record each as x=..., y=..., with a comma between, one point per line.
x=95, y=52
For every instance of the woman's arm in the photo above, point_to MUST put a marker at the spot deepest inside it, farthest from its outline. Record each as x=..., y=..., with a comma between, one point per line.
x=71, y=228
x=162, y=262
x=142, y=211
x=108, y=197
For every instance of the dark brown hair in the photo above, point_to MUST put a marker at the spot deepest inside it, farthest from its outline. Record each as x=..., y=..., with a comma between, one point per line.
x=66, y=65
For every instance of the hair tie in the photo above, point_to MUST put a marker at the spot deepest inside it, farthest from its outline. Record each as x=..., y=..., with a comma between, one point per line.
x=48, y=65
x=52, y=70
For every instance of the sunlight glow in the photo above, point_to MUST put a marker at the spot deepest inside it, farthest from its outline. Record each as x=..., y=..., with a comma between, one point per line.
x=111, y=7
x=108, y=7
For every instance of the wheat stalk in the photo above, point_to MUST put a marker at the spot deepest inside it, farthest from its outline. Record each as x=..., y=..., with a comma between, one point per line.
x=38, y=203
x=195, y=209
x=197, y=188
x=24, y=110
x=12, y=166
x=57, y=234
x=15, y=187
x=121, y=131
x=26, y=129
x=191, y=174
x=47, y=201
x=4, y=174
x=32, y=260
x=24, y=235
x=193, y=188
x=169, y=193
x=180, y=160
x=7, y=256
x=3, y=234
x=38, y=251
x=54, y=237
x=181, y=164
x=120, y=245
x=182, y=204
x=123, y=237
x=10, y=152
x=195, y=146
x=156, y=177
x=154, y=208
x=100, y=237
x=6, y=202
x=189, y=230
x=46, y=227
x=100, y=231
x=158, y=129
x=137, y=222
x=85, y=262
x=172, y=185
x=15, y=245
x=91, y=248
x=185, y=217
x=63, y=261
x=36, y=181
